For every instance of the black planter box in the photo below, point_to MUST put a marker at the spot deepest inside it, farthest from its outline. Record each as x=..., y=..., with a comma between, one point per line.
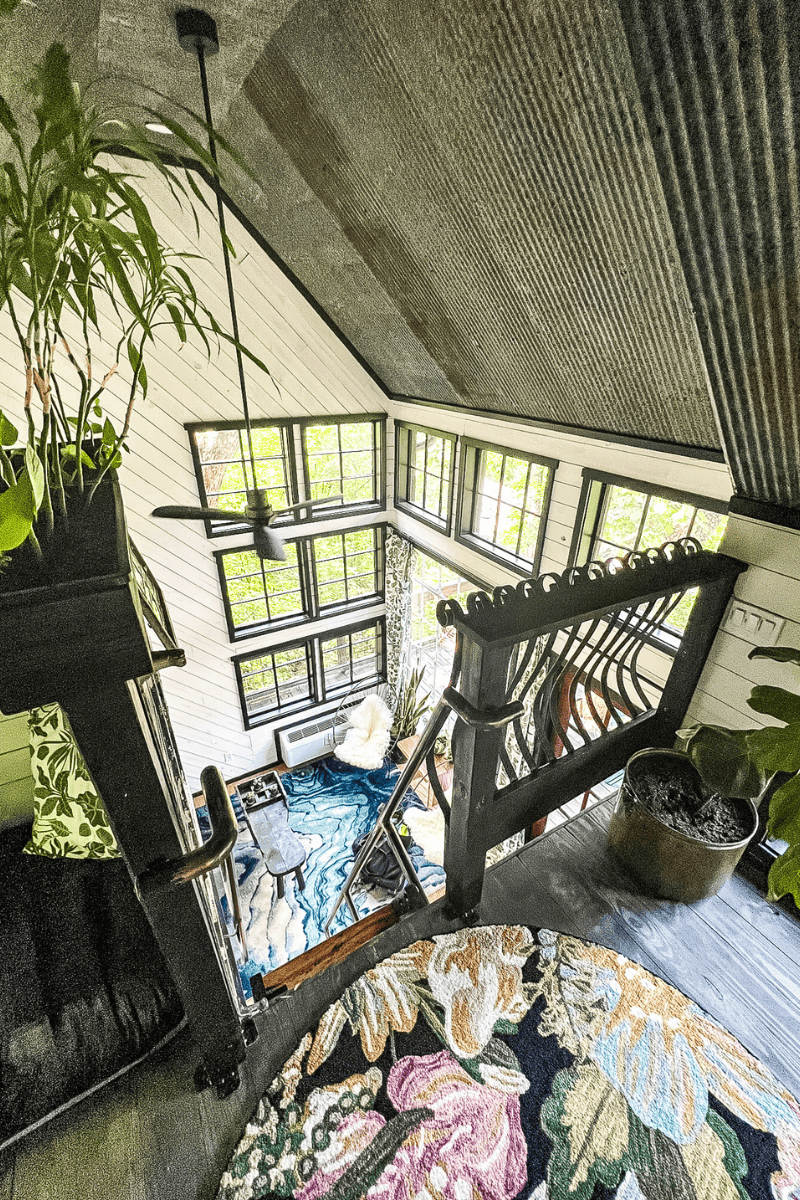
x=73, y=619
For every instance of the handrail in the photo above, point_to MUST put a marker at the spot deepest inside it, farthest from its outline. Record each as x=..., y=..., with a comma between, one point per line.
x=591, y=660
x=172, y=872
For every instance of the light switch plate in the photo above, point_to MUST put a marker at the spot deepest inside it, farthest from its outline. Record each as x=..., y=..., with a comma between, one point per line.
x=754, y=625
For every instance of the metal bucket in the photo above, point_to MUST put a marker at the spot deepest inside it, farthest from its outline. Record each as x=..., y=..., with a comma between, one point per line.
x=667, y=862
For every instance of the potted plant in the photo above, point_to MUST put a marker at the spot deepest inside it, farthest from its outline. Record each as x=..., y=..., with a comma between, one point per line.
x=410, y=710
x=717, y=768
x=680, y=839
x=762, y=764
x=85, y=281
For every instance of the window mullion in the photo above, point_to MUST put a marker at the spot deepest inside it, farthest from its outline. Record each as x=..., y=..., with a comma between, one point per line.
x=499, y=499
x=309, y=586
x=640, y=530
x=524, y=510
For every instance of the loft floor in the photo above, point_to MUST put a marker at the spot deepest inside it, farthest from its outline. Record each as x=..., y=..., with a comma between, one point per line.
x=150, y=1136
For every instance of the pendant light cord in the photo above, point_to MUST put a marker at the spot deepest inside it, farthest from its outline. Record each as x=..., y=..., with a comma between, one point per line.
x=201, y=60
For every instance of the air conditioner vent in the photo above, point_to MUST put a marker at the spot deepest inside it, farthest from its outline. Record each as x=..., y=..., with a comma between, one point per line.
x=308, y=741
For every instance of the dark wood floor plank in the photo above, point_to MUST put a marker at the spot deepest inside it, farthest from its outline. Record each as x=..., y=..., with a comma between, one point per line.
x=513, y=894
x=739, y=979
x=551, y=862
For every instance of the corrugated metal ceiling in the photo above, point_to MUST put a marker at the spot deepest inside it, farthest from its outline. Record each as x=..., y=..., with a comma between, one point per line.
x=488, y=163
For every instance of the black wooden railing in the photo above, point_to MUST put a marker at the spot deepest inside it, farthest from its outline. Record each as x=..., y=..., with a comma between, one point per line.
x=603, y=661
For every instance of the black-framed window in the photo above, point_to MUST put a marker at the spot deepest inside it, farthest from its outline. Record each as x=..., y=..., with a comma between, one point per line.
x=348, y=567
x=618, y=515
x=283, y=680
x=503, y=502
x=424, y=461
x=432, y=647
x=347, y=456
x=323, y=574
x=276, y=682
x=350, y=656
x=259, y=594
x=224, y=472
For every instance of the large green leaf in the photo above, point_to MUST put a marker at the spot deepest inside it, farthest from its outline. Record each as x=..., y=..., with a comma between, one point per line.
x=722, y=756
x=8, y=432
x=775, y=702
x=784, y=876
x=784, y=812
x=775, y=749
x=776, y=653
x=17, y=513
x=595, y=1136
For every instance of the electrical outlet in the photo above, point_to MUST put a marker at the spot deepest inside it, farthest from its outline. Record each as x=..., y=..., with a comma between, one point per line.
x=754, y=625
x=227, y=756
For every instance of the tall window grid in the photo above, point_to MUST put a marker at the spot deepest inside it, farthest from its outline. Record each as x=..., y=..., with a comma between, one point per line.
x=432, y=647
x=321, y=574
x=284, y=680
x=344, y=458
x=503, y=504
x=331, y=456
x=617, y=516
x=277, y=681
x=225, y=474
x=423, y=473
x=352, y=656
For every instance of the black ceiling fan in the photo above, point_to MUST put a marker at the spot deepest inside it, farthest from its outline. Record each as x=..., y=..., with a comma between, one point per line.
x=259, y=514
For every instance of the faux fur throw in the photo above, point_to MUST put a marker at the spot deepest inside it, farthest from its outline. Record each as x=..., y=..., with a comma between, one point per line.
x=367, y=738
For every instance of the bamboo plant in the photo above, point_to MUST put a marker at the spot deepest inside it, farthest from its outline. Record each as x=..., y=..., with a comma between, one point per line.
x=85, y=280
x=761, y=762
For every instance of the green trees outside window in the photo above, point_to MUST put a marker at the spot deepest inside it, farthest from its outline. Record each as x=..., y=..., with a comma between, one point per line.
x=224, y=472
x=320, y=575
x=423, y=473
x=283, y=680
x=344, y=457
x=632, y=519
x=277, y=681
x=620, y=518
x=504, y=501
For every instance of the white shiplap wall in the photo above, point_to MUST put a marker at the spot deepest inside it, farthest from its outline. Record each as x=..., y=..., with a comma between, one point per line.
x=772, y=582
x=315, y=375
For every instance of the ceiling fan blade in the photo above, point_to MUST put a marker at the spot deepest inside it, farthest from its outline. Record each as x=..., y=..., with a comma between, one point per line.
x=186, y=513
x=268, y=544
x=307, y=504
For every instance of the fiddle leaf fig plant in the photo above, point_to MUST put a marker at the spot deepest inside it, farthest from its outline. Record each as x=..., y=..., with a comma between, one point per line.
x=747, y=762
x=86, y=281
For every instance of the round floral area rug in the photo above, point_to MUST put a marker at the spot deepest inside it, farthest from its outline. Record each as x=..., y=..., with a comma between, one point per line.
x=502, y=1061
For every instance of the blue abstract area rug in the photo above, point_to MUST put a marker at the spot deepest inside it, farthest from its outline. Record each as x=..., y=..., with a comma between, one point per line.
x=330, y=805
x=502, y=1061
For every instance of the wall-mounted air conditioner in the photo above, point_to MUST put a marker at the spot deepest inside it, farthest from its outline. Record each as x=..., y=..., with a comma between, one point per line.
x=308, y=741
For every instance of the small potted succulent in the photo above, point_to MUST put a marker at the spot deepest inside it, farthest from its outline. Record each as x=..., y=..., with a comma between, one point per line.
x=717, y=779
